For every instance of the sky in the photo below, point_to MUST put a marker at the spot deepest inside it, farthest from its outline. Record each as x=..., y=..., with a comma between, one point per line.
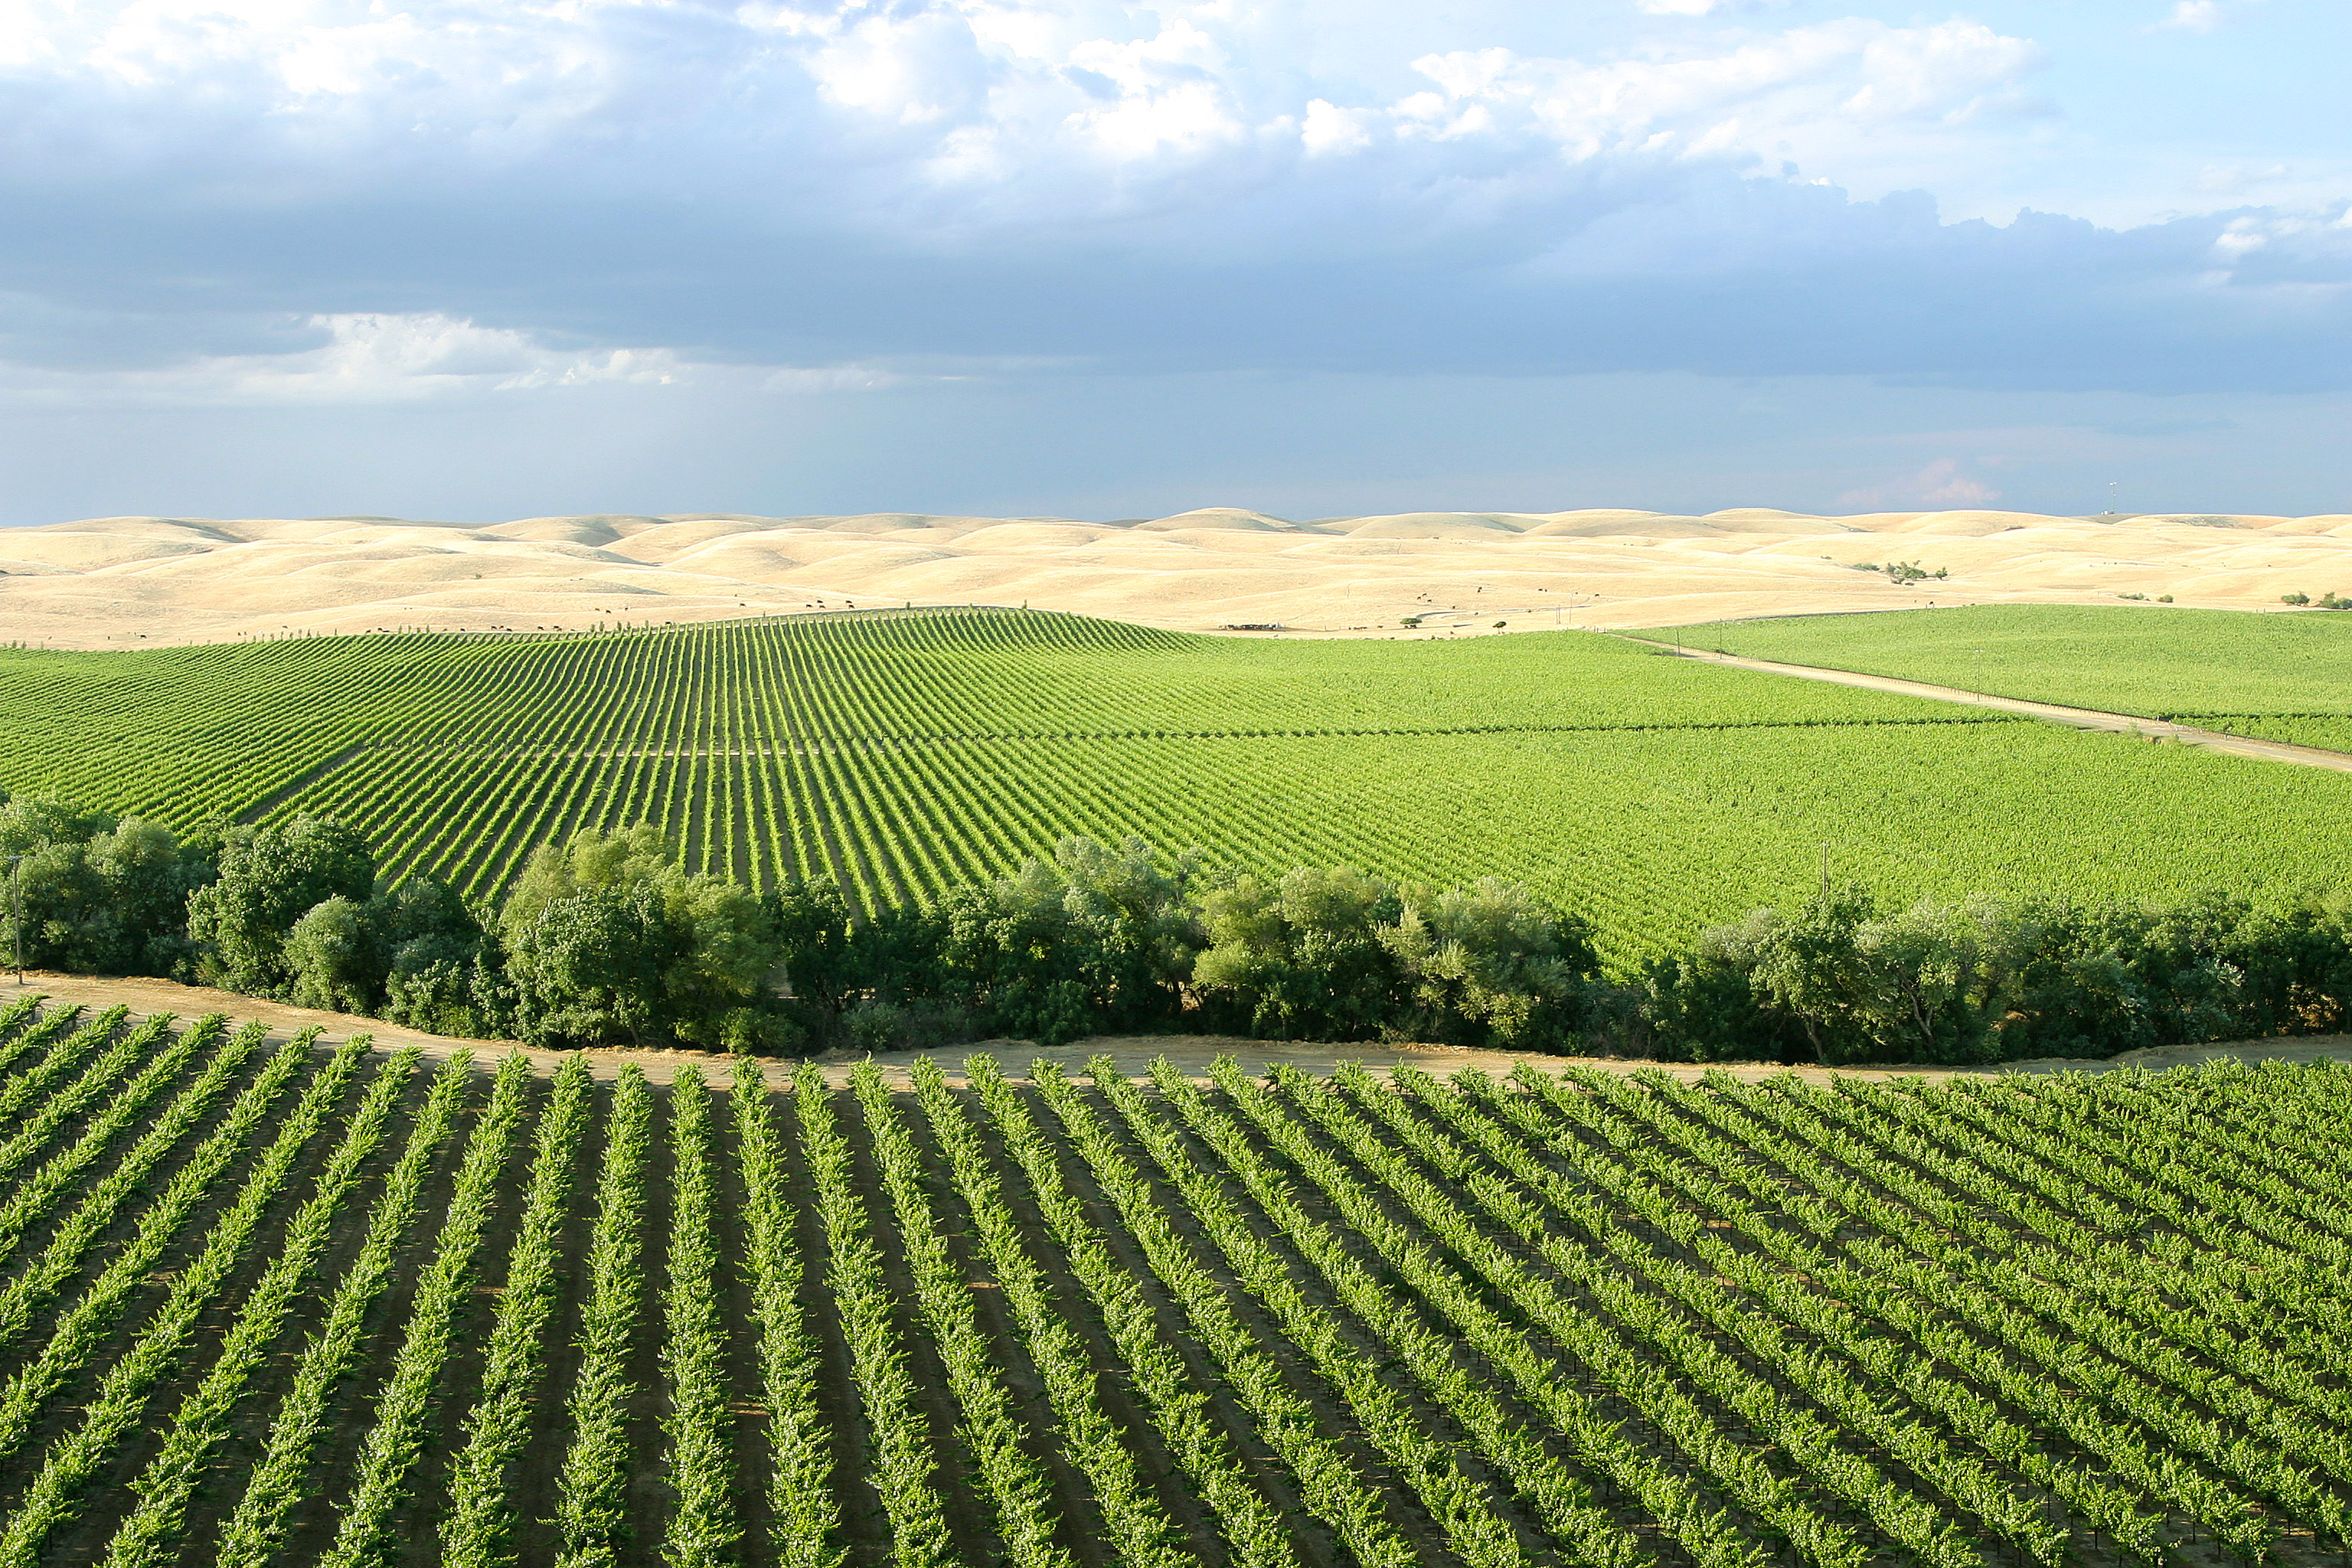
x=478, y=260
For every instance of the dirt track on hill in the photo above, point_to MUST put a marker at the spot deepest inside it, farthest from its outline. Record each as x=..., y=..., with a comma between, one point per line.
x=2080, y=718
x=1133, y=1054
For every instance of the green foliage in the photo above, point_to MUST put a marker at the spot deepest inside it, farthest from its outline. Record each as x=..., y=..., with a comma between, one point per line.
x=593, y=1515
x=269, y=877
x=902, y=757
x=1564, y=1315
x=99, y=896
x=1837, y=980
x=1490, y=966
x=444, y=976
x=1301, y=958
x=588, y=970
x=1093, y=940
x=2255, y=674
x=608, y=940
x=878, y=752
x=336, y=955
x=1336, y=954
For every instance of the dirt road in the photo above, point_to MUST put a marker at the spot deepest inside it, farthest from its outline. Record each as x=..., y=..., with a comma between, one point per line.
x=1133, y=1054
x=2081, y=718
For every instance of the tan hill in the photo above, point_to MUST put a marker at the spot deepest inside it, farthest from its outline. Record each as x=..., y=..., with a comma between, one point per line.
x=107, y=581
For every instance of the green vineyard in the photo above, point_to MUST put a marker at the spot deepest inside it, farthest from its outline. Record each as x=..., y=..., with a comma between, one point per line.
x=2281, y=677
x=904, y=754
x=269, y=1303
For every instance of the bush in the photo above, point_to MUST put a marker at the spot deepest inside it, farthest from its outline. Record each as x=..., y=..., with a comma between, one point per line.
x=874, y=1026
x=1991, y=981
x=336, y=956
x=607, y=941
x=435, y=995
x=269, y=877
x=1333, y=955
x=99, y=896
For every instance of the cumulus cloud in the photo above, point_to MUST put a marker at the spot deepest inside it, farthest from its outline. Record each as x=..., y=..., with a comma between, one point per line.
x=372, y=358
x=990, y=111
x=2194, y=15
x=687, y=187
x=1940, y=485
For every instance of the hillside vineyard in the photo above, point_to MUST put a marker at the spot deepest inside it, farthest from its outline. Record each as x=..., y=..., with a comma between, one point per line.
x=902, y=754
x=282, y=1304
x=2281, y=677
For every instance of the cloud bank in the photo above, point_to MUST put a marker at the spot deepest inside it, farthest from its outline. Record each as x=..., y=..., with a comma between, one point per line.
x=339, y=199
x=1106, y=257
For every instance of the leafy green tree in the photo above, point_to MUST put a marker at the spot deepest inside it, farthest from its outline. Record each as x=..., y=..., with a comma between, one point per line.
x=272, y=875
x=1929, y=983
x=147, y=875
x=588, y=969
x=1812, y=968
x=99, y=896
x=437, y=961
x=1942, y=976
x=712, y=944
x=2110, y=978
x=1491, y=966
x=437, y=994
x=1302, y=958
x=1704, y=1005
x=2294, y=966
x=67, y=925
x=1099, y=939
x=337, y=957
x=717, y=990
x=816, y=943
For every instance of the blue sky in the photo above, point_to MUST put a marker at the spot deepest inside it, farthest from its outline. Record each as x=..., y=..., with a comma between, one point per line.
x=476, y=260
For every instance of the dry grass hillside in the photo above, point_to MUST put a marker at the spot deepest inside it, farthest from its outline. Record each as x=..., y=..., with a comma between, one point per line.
x=107, y=581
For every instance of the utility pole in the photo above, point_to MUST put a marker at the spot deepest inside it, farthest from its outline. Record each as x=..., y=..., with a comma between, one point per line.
x=1825, y=871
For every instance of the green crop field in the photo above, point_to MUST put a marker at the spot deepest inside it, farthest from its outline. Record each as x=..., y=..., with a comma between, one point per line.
x=290, y=1305
x=2284, y=677
x=904, y=754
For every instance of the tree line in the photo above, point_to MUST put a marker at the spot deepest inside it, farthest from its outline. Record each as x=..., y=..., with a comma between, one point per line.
x=607, y=940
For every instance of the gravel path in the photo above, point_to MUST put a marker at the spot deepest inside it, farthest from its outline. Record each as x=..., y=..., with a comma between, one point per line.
x=2081, y=718
x=1133, y=1053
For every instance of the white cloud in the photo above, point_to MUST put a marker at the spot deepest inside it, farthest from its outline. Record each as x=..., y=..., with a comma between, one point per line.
x=2194, y=15
x=1328, y=128
x=377, y=358
x=1125, y=183
x=1939, y=485
x=953, y=112
x=1830, y=86
x=370, y=358
x=2235, y=179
